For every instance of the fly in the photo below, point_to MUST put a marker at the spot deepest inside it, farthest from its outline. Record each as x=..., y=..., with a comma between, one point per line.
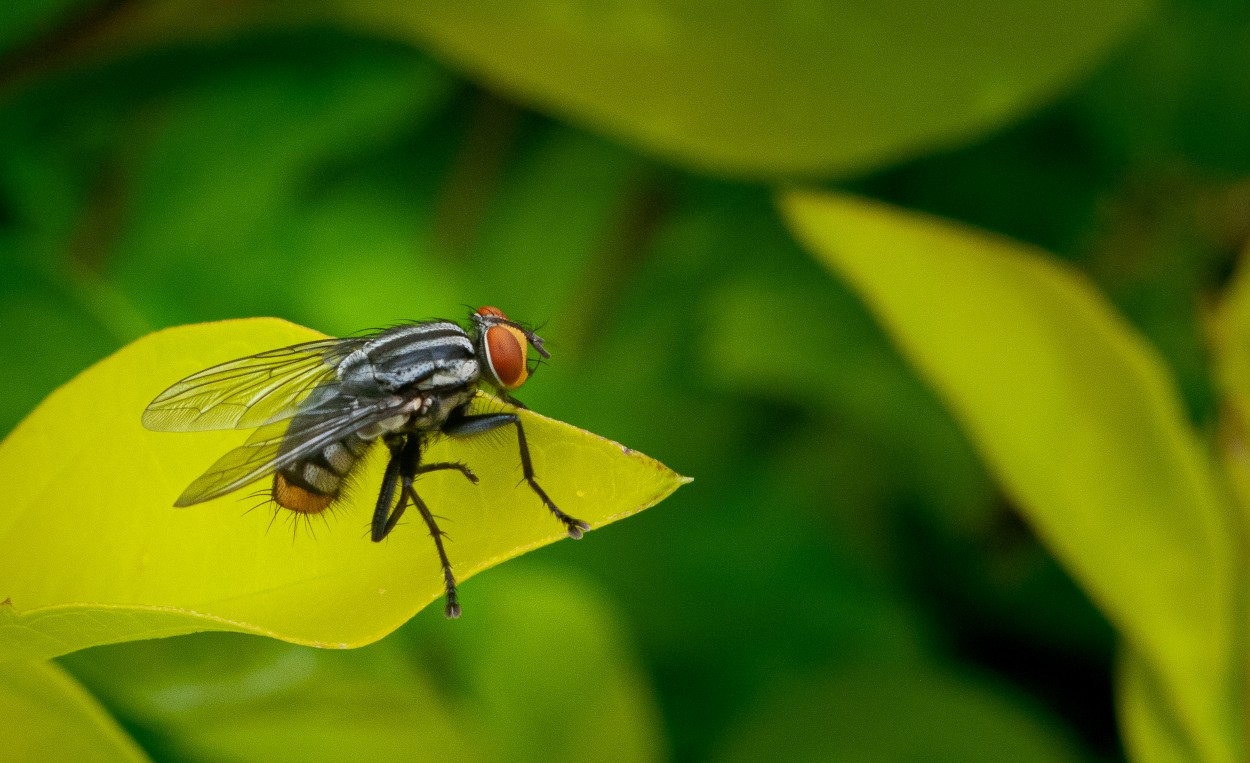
x=318, y=407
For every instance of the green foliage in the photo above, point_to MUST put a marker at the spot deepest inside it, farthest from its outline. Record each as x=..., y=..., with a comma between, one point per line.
x=956, y=499
x=491, y=691
x=900, y=711
x=766, y=90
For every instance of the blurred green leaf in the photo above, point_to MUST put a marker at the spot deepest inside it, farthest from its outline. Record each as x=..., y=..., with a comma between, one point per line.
x=1080, y=422
x=48, y=716
x=864, y=385
x=758, y=90
x=226, y=696
x=935, y=505
x=546, y=672
x=898, y=711
x=92, y=491
x=543, y=661
x=762, y=89
x=239, y=159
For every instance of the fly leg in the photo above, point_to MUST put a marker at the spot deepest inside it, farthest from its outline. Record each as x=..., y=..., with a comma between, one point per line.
x=384, y=517
x=402, y=506
x=409, y=466
x=461, y=424
x=381, y=524
x=446, y=465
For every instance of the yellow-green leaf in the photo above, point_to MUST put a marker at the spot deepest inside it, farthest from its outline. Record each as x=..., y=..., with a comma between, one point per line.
x=1146, y=726
x=1080, y=422
x=48, y=716
x=95, y=553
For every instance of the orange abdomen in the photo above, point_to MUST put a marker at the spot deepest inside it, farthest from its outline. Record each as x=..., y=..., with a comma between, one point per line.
x=288, y=495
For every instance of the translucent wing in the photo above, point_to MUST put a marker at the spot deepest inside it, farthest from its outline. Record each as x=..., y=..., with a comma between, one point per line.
x=277, y=445
x=249, y=392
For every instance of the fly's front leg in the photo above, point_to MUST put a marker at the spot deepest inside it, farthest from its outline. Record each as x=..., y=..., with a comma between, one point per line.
x=382, y=522
x=461, y=424
x=409, y=467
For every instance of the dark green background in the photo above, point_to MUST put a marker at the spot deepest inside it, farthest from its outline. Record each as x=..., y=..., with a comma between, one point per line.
x=843, y=580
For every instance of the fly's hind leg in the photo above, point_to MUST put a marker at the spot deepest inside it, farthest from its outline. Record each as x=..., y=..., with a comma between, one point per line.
x=402, y=506
x=462, y=424
x=452, y=610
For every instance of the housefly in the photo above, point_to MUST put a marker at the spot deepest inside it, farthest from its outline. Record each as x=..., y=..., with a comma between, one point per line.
x=318, y=407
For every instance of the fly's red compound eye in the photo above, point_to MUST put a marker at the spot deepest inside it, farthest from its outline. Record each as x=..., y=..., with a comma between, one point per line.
x=506, y=348
x=505, y=352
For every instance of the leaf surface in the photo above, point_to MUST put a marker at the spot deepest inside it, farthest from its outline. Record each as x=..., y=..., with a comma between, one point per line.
x=95, y=553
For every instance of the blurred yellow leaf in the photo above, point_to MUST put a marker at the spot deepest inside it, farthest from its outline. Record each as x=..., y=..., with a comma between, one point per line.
x=1148, y=732
x=1080, y=422
x=94, y=553
x=48, y=716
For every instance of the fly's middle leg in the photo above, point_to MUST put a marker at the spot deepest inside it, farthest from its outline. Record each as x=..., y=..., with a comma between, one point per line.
x=387, y=513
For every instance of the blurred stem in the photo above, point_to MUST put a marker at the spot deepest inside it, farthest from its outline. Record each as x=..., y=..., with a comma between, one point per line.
x=108, y=305
x=101, y=219
x=476, y=173
x=93, y=239
x=1225, y=217
x=41, y=54
x=624, y=248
